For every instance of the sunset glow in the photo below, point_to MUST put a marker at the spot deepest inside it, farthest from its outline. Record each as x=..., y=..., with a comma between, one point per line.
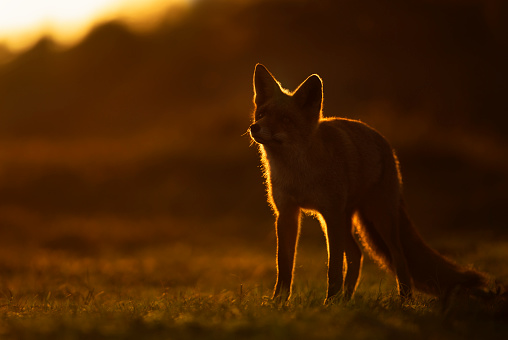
x=22, y=22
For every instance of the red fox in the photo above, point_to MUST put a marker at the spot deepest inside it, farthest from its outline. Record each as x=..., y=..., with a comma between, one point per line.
x=347, y=174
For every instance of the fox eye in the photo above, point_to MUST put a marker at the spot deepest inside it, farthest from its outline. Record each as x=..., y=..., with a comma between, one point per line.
x=259, y=115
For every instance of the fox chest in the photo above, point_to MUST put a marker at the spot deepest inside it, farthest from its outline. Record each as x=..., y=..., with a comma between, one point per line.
x=308, y=188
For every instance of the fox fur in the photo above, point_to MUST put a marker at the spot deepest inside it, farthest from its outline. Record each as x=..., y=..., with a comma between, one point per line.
x=347, y=174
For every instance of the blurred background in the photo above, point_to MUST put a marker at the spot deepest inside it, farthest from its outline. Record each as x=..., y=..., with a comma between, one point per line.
x=132, y=126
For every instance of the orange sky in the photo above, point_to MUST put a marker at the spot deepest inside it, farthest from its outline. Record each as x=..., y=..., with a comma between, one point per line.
x=22, y=22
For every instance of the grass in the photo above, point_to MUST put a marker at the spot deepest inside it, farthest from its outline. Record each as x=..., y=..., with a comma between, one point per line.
x=169, y=286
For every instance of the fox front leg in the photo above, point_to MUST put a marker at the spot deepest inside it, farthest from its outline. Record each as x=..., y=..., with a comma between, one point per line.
x=287, y=227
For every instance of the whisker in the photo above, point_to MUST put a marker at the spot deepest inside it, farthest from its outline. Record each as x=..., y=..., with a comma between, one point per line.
x=251, y=143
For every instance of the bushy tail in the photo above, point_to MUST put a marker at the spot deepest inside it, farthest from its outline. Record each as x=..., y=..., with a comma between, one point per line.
x=431, y=272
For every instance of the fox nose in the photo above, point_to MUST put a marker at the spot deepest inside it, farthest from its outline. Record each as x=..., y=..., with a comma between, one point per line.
x=254, y=128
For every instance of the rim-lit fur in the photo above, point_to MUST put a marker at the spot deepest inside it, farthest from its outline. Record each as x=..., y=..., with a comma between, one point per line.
x=340, y=170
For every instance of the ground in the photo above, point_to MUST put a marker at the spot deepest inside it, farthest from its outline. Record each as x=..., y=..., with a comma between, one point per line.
x=111, y=279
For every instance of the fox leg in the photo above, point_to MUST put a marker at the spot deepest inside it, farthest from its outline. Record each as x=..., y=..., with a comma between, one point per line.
x=402, y=271
x=354, y=260
x=382, y=225
x=388, y=226
x=287, y=227
x=337, y=226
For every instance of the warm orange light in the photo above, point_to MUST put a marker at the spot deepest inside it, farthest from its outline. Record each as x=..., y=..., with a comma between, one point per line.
x=22, y=22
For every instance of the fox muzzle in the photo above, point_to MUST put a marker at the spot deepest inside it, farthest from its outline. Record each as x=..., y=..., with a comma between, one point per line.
x=255, y=133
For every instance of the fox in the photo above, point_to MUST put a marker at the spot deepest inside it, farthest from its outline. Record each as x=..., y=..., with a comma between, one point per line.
x=346, y=174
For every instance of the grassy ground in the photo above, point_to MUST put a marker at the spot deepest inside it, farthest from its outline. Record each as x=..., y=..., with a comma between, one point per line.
x=111, y=279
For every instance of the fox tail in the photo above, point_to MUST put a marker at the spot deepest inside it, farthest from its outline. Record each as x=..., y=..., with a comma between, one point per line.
x=430, y=271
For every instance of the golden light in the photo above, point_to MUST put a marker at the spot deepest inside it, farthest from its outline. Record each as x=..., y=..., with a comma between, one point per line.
x=22, y=22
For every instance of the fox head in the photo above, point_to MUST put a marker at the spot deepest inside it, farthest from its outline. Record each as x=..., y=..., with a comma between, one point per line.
x=284, y=118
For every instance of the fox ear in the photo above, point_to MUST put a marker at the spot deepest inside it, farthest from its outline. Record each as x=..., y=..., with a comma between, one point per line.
x=309, y=94
x=265, y=85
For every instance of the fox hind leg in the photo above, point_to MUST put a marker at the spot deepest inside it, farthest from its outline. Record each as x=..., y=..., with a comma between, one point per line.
x=353, y=263
x=344, y=255
x=401, y=269
x=383, y=232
